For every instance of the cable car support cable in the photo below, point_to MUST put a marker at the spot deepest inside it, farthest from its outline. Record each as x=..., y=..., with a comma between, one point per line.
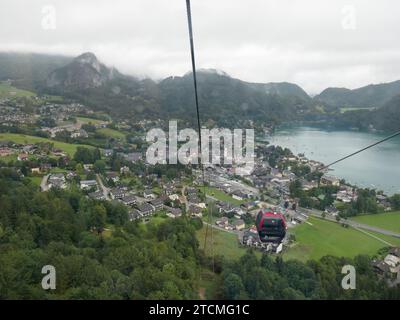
x=209, y=224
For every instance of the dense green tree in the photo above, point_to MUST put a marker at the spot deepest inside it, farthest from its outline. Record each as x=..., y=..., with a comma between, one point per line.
x=99, y=166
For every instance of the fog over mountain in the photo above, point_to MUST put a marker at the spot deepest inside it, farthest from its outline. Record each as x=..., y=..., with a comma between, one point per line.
x=315, y=44
x=223, y=98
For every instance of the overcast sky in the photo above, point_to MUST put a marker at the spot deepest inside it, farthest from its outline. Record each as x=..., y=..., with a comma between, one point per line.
x=314, y=43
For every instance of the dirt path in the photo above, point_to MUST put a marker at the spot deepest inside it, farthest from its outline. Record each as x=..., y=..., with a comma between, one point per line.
x=202, y=293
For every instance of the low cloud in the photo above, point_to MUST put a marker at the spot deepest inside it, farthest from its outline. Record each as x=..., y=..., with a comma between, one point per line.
x=314, y=43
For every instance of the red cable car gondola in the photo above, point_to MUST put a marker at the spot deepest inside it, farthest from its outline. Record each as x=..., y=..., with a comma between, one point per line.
x=271, y=226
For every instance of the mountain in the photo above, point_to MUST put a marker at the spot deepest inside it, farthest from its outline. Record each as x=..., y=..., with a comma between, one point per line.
x=371, y=96
x=29, y=69
x=223, y=99
x=83, y=72
x=226, y=99
x=284, y=89
x=387, y=118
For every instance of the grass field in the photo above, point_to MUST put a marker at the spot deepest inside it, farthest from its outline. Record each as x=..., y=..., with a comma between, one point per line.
x=36, y=180
x=329, y=238
x=208, y=284
x=225, y=244
x=11, y=157
x=389, y=221
x=58, y=170
x=85, y=120
x=155, y=220
x=220, y=195
x=346, y=109
x=8, y=91
x=112, y=133
x=24, y=139
x=314, y=241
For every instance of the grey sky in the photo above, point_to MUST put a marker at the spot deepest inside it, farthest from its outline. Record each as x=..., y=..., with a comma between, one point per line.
x=314, y=43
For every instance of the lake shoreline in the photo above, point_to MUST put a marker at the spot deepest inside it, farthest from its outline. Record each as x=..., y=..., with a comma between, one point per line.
x=376, y=168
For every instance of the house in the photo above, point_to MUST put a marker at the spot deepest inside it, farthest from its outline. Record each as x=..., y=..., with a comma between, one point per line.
x=276, y=173
x=238, y=195
x=332, y=210
x=133, y=157
x=250, y=238
x=173, y=197
x=57, y=180
x=71, y=175
x=222, y=222
x=289, y=175
x=308, y=185
x=195, y=211
x=107, y=152
x=129, y=200
x=169, y=189
x=224, y=207
x=157, y=203
x=191, y=191
x=330, y=181
x=4, y=152
x=97, y=195
x=35, y=170
x=393, y=262
x=193, y=198
x=298, y=218
x=59, y=153
x=381, y=197
x=88, y=184
x=117, y=193
x=81, y=133
x=389, y=268
x=346, y=195
x=261, y=182
x=173, y=212
x=239, y=224
x=112, y=176
x=260, y=171
x=29, y=148
x=395, y=252
x=45, y=167
x=148, y=194
x=248, y=205
x=22, y=157
x=134, y=215
x=124, y=170
x=88, y=167
x=238, y=212
x=145, y=209
x=380, y=267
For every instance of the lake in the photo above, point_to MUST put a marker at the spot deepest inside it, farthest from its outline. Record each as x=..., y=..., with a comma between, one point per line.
x=378, y=167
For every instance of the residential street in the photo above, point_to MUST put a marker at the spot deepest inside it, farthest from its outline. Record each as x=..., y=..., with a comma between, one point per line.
x=105, y=190
x=43, y=184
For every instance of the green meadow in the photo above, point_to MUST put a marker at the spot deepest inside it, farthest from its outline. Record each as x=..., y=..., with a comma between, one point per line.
x=69, y=148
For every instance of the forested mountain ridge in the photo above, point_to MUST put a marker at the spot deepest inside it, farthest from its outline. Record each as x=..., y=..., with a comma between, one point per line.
x=29, y=69
x=386, y=118
x=223, y=99
x=371, y=96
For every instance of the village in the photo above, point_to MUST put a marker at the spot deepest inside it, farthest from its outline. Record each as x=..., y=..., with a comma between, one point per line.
x=279, y=182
